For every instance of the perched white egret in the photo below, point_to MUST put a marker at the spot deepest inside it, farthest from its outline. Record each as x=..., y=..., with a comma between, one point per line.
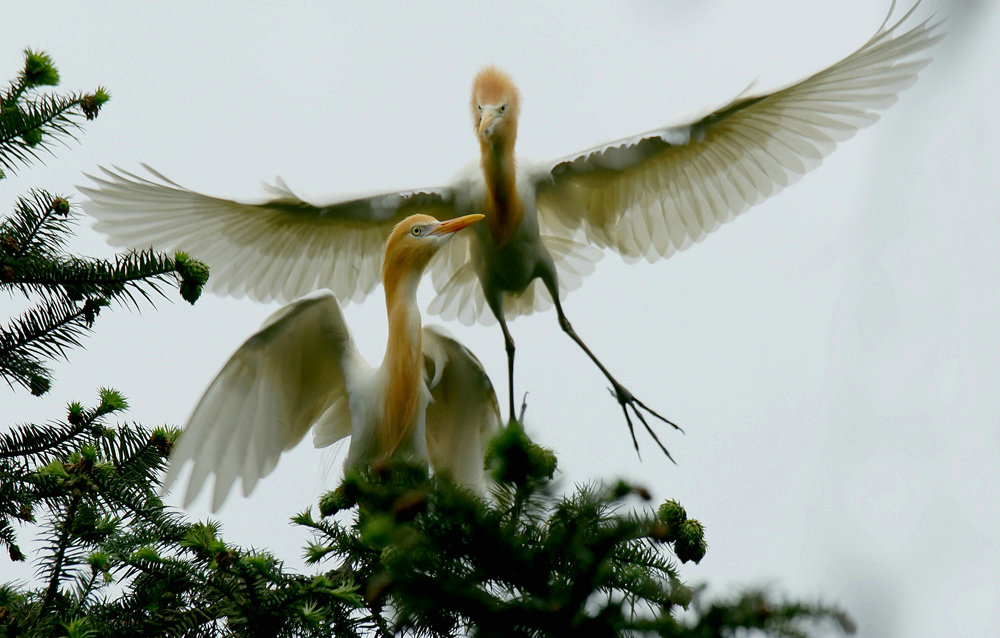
x=646, y=196
x=429, y=400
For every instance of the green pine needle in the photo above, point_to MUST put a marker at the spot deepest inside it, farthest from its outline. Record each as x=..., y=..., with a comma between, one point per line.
x=39, y=70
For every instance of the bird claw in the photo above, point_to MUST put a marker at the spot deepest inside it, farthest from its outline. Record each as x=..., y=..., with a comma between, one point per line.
x=626, y=400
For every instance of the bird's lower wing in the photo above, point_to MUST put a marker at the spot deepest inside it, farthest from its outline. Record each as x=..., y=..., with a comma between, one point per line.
x=654, y=194
x=281, y=248
x=287, y=377
x=463, y=414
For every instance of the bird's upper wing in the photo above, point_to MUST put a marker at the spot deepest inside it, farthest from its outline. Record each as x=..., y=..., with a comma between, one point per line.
x=654, y=194
x=463, y=414
x=280, y=249
x=286, y=378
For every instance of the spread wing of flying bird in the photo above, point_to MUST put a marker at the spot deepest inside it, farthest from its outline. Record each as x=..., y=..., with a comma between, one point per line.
x=278, y=249
x=652, y=195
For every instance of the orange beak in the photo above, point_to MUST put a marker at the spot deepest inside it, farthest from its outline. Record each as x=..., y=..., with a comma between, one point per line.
x=458, y=223
x=486, y=120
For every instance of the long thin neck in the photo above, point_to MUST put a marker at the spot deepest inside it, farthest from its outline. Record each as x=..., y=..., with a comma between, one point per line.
x=402, y=362
x=503, y=206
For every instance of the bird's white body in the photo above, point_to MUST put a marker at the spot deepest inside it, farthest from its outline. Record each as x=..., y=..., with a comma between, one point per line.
x=367, y=389
x=506, y=273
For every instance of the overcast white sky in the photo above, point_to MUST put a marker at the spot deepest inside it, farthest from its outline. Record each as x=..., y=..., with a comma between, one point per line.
x=833, y=354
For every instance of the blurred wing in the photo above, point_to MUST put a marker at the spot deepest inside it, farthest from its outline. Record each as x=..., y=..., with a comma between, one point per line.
x=278, y=249
x=652, y=195
x=463, y=414
x=286, y=378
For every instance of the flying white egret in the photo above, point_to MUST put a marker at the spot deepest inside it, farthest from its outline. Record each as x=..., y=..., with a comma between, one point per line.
x=646, y=196
x=429, y=399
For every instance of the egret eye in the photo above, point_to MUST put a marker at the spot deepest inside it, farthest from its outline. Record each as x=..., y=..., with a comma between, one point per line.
x=503, y=107
x=480, y=107
x=416, y=231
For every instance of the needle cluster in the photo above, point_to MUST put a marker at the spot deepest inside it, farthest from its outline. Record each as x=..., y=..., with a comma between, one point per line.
x=31, y=123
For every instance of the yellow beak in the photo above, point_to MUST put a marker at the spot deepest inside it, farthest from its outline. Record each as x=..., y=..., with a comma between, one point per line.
x=458, y=223
x=486, y=120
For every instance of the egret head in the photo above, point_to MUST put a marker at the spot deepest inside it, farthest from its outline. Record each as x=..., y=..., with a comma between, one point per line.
x=414, y=241
x=495, y=106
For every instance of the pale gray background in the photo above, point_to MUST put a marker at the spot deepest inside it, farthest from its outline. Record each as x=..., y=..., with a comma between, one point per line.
x=832, y=355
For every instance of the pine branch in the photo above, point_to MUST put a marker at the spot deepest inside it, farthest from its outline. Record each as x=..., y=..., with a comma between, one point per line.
x=129, y=273
x=83, y=592
x=56, y=565
x=29, y=263
x=28, y=127
x=9, y=538
x=39, y=225
x=27, y=441
x=26, y=372
x=47, y=331
x=38, y=71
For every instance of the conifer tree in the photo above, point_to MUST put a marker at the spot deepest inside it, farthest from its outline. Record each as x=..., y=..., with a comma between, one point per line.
x=397, y=552
x=114, y=561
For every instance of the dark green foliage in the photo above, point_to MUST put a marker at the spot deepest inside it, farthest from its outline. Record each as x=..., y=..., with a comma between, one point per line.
x=512, y=458
x=30, y=122
x=433, y=559
x=673, y=515
x=193, y=274
x=114, y=561
x=421, y=556
x=755, y=609
x=118, y=562
x=71, y=291
x=38, y=70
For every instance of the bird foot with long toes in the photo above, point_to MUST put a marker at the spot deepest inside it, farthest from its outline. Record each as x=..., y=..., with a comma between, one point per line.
x=627, y=400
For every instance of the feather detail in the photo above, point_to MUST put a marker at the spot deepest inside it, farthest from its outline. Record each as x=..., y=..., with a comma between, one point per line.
x=652, y=195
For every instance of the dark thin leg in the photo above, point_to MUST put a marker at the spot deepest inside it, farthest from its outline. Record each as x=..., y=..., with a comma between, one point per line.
x=509, y=344
x=625, y=398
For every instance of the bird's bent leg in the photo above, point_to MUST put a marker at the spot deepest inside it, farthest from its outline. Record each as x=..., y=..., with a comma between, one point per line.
x=625, y=398
x=509, y=344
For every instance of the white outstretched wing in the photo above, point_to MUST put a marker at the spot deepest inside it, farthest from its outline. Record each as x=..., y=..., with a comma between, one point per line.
x=279, y=249
x=285, y=379
x=463, y=414
x=654, y=194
